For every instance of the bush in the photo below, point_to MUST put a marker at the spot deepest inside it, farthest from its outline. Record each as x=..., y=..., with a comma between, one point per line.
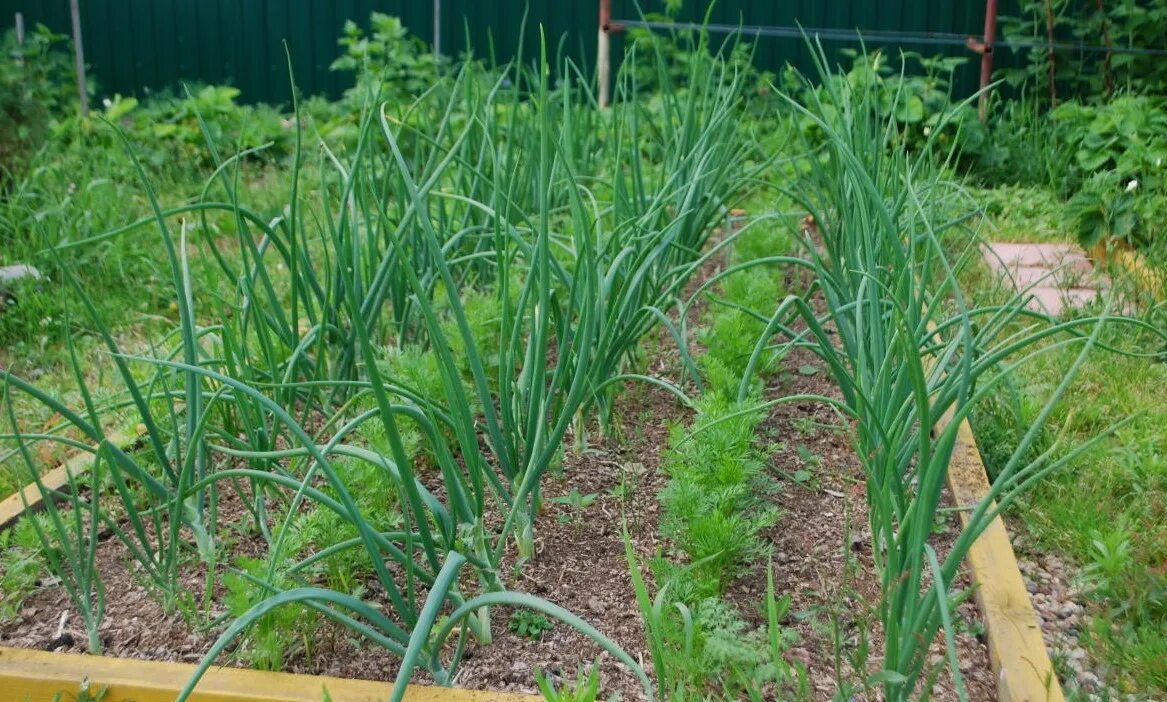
x=915, y=96
x=34, y=82
x=1127, y=136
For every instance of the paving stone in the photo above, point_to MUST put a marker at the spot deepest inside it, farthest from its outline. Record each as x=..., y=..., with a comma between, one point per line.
x=1057, y=276
x=1053, y=300
x=1046, y=255
x=9, y=274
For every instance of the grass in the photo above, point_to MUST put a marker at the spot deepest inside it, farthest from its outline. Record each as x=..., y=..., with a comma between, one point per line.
x=1104, y=512
x=1023, y=214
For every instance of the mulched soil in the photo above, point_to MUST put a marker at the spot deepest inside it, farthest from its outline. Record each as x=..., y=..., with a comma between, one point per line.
x=820, y=545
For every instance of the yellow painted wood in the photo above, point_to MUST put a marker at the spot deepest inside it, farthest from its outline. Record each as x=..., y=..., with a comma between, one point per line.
x=1120, y=254
x=1017, y=651
x=13, y=506
x=37, y=676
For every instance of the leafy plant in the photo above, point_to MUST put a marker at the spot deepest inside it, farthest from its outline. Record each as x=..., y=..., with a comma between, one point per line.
x=585, y=689
x=576, y=501
x=530, y=625
x=34, y=83
x=1102, y=211
x=387, y=61
x=1127, y=136
x=1066, y=71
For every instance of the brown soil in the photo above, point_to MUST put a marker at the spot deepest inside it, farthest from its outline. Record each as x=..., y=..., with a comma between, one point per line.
x=579, y=564
x=822, y=548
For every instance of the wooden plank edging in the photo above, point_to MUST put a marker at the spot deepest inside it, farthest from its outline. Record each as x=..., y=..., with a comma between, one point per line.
x=57, y=479
x=38, y=676
x=1017, y=651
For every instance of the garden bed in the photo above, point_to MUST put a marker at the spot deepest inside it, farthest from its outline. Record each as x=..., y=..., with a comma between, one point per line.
x=466, y=382
x=819, y=559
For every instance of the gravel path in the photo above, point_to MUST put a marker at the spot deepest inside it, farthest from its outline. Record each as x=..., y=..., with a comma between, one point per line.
x=1060, y=598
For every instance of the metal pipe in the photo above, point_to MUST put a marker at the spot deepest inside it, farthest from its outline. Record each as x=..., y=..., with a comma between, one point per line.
x=604, y=54
x=876, y=36
x=437, y=28
x=79, y=57
x=987, y=56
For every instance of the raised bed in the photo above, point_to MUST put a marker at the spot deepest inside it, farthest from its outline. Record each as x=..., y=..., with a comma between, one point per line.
x=1020, y=664
x=1017, y=651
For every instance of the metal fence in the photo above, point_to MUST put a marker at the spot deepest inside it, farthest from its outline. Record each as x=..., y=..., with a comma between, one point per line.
x=136, y=46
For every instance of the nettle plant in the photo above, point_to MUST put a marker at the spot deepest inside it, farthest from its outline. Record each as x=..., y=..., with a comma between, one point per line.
x=905, y=350
x=492, y=192
x=396, y=64
x=915, y=92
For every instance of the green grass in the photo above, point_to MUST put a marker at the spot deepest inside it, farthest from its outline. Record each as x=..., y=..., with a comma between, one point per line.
x=1023, y=214
x=1105, y=511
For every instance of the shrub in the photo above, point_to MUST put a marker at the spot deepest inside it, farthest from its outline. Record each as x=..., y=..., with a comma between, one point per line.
x=34, y=80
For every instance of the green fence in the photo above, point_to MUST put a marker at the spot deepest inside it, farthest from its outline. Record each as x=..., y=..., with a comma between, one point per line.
x=135, y=46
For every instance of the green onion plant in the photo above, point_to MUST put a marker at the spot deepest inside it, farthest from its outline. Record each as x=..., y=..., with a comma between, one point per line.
x=580, y=227
x=888, y=318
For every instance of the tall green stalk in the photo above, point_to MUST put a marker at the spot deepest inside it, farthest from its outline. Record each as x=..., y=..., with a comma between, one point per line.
x=905, y=350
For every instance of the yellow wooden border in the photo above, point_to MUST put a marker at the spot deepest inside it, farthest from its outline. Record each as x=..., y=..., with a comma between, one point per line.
x=37, y=676
x=1017, y=650
x=1119, y=253
x=57, y=479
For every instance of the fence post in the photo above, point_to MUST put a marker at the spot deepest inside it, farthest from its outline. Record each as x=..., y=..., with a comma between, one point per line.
x=20, y=36
x=603, y=53
x=79, y=57
x=437, y=28
x=987, y=56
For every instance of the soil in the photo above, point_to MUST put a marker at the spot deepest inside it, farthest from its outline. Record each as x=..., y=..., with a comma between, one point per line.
x=820, y=546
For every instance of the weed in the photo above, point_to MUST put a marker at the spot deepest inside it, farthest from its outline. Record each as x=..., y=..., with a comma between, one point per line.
x=21, y=565
x=530, y=625
x=83, y=694
x=585, y=689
